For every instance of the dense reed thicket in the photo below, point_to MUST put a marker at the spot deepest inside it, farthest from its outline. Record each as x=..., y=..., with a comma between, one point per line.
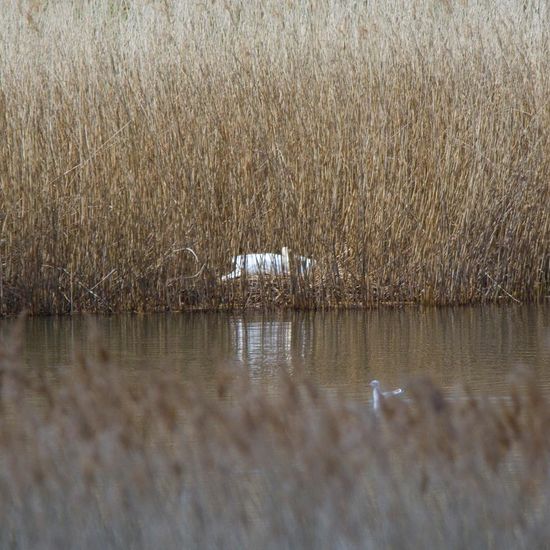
x=403, y=145
x=90, y=458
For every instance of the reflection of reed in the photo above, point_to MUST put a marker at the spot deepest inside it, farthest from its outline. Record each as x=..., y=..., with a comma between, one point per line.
x=338, y=349
x=475, y=345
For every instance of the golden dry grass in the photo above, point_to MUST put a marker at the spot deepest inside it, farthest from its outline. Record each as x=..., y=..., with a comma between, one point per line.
x=90, y=458
x=405, y=146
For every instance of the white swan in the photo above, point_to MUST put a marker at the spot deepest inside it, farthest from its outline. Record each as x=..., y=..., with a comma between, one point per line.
x=378, y=394
x=267, y=264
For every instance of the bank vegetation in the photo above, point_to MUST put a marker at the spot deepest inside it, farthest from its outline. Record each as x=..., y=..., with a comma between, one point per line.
x=403, y=145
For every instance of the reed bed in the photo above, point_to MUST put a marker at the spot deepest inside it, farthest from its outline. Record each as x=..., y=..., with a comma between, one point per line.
x=403, y=145
x=91, y=458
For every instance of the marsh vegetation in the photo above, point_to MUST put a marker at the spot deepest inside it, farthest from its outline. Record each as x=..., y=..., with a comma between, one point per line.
x=403, y=146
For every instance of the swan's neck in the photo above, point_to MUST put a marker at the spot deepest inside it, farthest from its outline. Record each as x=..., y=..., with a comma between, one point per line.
x=285, y=258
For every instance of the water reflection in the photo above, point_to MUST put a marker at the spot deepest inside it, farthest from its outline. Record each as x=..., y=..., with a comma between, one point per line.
x=261, y=343
x=342, y=350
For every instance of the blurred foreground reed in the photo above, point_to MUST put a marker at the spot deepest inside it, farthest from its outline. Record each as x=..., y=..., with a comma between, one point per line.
x=92, y=459
x=403, y=145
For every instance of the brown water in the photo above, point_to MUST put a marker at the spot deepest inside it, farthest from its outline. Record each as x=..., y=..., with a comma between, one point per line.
x=339, y=350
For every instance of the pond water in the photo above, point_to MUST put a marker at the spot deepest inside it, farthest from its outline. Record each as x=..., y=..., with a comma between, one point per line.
x=340, y=350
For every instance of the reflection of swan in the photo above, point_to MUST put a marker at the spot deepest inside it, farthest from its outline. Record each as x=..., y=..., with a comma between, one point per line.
x=378, y=394
x=261, y=344
x=267, y=264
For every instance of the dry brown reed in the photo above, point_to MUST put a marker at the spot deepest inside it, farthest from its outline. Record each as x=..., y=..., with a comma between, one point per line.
x=404, y=145
x=90, y=458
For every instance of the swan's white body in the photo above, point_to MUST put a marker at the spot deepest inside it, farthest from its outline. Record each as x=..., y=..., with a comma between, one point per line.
x=267, y=264
x=378, y=394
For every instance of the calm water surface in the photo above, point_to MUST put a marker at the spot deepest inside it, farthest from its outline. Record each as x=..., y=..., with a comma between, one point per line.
x=339, y=350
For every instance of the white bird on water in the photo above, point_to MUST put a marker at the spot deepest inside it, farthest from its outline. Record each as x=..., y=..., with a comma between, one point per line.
x=267, y=263
x=378, y=394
